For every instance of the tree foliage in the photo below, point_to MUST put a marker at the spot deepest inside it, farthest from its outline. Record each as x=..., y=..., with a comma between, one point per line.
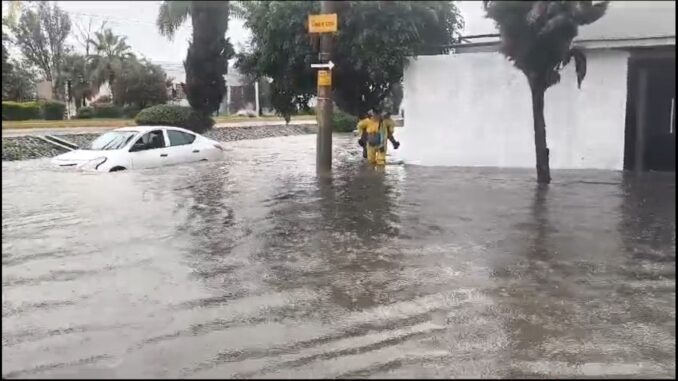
x=85, y=35
x=140, y=84
x=77, y=69
x=7, y=66
x=19, y=84
x=171, y=16
x=372, y=46
x=206, y=61
x=207, y=58
x=111, y=51
x=172, y=115
x=41, y=35
x=18, y=77
x=537, y=37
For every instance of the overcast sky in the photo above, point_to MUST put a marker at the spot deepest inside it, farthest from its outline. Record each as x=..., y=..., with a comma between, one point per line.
x=136, y=20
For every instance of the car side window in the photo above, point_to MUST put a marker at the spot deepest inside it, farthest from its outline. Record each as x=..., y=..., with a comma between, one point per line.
x=179, y=138
x=150, y=140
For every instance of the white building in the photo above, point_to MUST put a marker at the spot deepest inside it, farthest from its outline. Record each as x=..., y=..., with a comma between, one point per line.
x=241, y=93
x=473, y=108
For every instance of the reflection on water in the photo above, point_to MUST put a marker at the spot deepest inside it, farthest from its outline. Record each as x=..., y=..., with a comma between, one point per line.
x=253, y=267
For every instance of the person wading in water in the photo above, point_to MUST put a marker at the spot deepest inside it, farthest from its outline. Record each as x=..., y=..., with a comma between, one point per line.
x=374, y=132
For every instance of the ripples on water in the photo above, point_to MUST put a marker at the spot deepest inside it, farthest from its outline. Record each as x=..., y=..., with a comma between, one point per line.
x=253, y=267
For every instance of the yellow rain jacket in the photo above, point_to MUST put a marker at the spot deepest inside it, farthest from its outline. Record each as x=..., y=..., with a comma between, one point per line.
x=375, y=155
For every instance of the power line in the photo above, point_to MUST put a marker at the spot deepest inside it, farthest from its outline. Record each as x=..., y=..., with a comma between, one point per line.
x=109, y=18
x=116, y=20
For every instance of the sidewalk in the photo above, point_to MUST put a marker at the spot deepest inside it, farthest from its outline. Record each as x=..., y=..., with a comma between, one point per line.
x=98, y=130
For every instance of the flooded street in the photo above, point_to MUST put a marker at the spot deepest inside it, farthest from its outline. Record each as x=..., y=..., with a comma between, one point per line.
x=253, y=267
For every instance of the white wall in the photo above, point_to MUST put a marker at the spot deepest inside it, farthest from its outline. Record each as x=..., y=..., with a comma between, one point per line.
x=474, y=109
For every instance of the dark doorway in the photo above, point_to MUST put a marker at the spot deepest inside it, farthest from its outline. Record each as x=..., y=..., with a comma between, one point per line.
x=650, y=138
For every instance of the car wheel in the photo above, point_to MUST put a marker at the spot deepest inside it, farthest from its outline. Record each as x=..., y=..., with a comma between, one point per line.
x=116, y=169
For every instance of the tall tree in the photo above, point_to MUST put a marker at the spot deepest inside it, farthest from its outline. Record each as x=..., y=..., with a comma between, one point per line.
x=86, y=33
x=6, y=64
x=77, y=69
x=537, y=36
x=41, y=35
x=20, y=83
x=372, y=46
x=206, y=61
x=111, y=51
x=140, y=84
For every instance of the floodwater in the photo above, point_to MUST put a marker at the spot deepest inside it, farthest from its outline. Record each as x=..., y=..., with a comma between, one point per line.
x=253, y=267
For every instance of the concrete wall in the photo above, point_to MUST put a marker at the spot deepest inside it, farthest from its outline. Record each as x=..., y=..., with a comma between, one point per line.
x=474, y=110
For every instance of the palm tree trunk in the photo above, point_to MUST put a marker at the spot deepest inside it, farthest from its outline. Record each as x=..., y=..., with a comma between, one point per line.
x=207, y=59
x=542, y=152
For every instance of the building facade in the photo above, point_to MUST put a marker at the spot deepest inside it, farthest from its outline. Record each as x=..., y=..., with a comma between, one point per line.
x=473, y=108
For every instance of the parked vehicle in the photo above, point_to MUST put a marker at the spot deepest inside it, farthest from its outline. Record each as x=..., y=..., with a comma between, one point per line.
x=142, y=147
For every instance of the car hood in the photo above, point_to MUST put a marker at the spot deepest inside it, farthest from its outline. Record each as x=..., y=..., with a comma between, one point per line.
x=78, y=157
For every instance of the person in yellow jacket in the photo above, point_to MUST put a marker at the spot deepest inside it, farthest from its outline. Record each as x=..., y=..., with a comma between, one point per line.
x=360, y=128
x=373, y=135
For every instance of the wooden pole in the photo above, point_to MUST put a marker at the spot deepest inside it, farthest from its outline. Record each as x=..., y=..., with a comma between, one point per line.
x=324, y=105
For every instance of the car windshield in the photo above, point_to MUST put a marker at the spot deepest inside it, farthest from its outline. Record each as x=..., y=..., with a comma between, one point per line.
x=111, y=141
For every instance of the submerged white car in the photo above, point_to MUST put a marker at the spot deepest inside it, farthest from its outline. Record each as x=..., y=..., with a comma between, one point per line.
x=142, y=147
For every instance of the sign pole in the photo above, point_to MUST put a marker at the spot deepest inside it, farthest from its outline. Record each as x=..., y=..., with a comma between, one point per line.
x=324, y=105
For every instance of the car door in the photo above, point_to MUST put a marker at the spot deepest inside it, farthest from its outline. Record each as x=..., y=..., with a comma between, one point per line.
x=150, y=150
x=182, y=149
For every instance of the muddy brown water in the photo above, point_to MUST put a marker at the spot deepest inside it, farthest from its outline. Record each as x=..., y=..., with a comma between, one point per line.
x=253, y=267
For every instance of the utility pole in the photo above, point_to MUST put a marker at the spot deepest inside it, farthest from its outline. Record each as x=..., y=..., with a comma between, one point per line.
x=324, y=105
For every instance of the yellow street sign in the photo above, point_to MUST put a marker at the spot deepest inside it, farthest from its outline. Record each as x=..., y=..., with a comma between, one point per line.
x=324, y=78
x=325, y=23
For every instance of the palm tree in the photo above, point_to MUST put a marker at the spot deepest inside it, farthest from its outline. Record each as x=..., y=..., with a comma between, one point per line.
x=537, y=36
x=77, y=70
x=173, y=14
x=208, y=52
x=110, y=52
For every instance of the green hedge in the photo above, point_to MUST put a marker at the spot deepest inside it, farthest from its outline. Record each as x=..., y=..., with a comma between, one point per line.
x=48, y=110
x=21, y=110
x=178, y=116
x=85, y=112
x=53, y=110
x=343, y=122
x=107, y=110
x=130, y=111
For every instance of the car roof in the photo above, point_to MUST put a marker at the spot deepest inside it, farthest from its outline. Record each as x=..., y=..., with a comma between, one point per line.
x=143, y=129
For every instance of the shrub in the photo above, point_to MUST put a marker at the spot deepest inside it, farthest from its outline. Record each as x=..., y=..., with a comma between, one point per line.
x=53, y=110
x=130, y=111
x=21, y=110
x=86, y=112
x=343, y=122
x=178, y=116
x=107, y=110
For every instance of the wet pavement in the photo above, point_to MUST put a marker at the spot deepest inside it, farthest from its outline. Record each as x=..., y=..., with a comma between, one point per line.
x=253, y=267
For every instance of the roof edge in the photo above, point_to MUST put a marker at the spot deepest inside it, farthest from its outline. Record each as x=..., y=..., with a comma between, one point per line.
x=603, y=43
